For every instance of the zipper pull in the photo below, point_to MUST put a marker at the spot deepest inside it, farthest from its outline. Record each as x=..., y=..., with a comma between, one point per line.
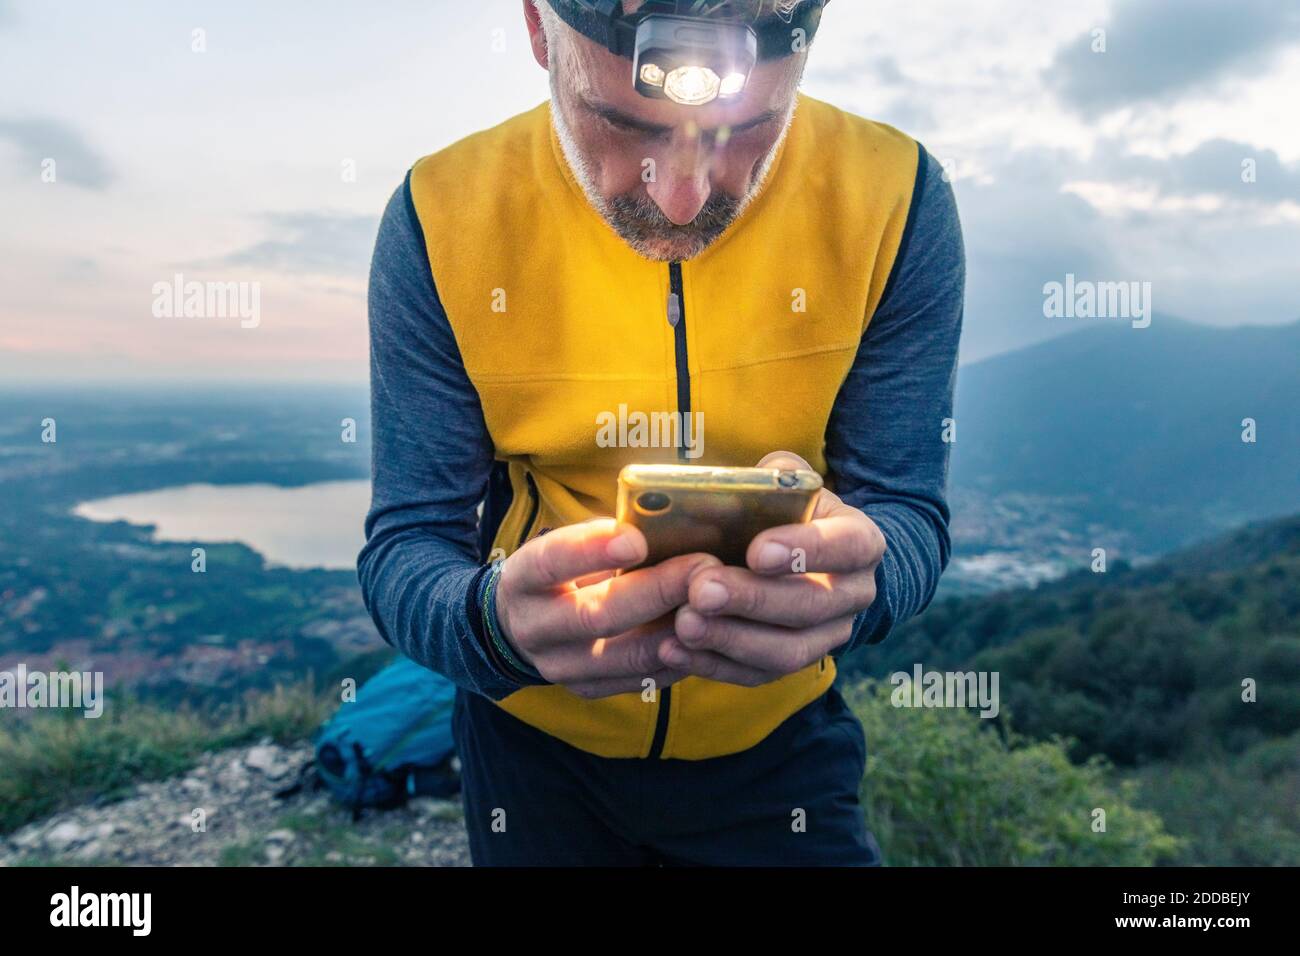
x=674, y=309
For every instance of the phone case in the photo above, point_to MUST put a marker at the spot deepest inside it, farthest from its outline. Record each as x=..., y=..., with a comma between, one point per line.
x=682, y=509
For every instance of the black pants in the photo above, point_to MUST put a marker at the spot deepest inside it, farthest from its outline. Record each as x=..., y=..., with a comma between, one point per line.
x=533, y=800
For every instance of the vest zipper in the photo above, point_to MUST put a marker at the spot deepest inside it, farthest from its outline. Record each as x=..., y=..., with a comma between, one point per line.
x=534, y=505
x=677, y=319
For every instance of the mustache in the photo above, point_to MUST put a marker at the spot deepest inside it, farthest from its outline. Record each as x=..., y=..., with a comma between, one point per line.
x=644, y=219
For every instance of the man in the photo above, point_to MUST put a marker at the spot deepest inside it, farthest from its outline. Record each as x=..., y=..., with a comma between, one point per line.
x=791, y=274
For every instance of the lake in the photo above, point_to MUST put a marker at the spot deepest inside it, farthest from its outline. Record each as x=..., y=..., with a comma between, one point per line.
x=312, y=526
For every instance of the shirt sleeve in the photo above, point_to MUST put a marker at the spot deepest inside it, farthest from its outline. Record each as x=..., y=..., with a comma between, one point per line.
x=420, y=574
x=887, y=446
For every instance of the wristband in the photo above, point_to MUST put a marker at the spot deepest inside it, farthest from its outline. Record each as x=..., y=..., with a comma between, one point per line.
x=492, y=629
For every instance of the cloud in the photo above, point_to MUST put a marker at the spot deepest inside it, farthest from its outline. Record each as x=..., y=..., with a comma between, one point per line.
x=79, y=269
x=1024, y=226
x=39, y=139
x=316, y=243
x=1022, y=231
x=1214, y=168
x=1158, y=51
x=883, y=69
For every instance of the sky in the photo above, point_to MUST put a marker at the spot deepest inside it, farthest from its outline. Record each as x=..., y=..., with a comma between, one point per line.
x=242, y=141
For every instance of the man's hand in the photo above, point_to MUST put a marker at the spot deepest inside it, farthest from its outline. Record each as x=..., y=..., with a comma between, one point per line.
x=566, y=613
x=754, y=625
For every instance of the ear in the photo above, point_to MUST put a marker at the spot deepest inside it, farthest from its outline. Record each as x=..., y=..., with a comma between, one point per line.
x=536, y=35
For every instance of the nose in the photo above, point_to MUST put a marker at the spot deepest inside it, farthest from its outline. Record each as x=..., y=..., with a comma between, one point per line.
x=682, y=185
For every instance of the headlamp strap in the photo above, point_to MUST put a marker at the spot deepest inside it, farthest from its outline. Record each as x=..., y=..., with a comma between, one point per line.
x=605, y=22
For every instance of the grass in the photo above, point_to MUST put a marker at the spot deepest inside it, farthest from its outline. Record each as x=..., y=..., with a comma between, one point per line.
x=317, y=837
x=54, y=760
x=942, y=786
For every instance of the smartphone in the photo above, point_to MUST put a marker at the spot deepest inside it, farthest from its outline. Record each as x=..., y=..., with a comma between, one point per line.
x=682, y=509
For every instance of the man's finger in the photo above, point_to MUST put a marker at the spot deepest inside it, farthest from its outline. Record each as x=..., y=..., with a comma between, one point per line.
x=843, y=542
x=575, y=551
x=630, y=654
x=827, y=500
x=783, y=459
x=796, y=600
x=589, y=579
x=621, y=603
x=764, y=646
x=713, y=666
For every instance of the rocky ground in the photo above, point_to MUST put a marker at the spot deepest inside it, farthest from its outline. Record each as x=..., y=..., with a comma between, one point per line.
x=226, y=812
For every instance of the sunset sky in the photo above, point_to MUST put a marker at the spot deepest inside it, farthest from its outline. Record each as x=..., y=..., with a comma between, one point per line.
x=226, y=164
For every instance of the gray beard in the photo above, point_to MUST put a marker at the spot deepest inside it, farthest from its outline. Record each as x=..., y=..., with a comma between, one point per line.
x=642, y=225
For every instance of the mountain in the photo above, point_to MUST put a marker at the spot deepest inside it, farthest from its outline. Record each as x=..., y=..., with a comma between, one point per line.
x=1137, y=429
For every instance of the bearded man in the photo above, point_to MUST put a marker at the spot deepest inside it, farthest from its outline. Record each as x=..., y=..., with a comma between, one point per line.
x=677, y=230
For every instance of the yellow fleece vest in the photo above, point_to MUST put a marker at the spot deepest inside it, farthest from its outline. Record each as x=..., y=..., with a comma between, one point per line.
x=559, y=323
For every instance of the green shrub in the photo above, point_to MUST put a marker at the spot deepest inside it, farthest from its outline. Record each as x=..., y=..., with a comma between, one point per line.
x=944, y=788
x=1243, y=811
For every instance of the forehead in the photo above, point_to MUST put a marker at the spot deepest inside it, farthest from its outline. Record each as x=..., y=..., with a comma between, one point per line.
x=599, y=78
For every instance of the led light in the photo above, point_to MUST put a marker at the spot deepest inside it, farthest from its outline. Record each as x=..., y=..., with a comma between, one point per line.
x=652, y=75
x=733, y=84
x=692, y=85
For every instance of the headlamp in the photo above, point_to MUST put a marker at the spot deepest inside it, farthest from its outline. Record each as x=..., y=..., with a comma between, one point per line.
x=687, y=56
x=692, y=61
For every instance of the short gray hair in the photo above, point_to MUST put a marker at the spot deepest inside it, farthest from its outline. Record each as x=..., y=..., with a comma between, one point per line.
x=551, y=22
x=554, y=28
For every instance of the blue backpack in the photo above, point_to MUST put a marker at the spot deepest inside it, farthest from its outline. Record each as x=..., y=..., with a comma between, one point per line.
x=393, y=742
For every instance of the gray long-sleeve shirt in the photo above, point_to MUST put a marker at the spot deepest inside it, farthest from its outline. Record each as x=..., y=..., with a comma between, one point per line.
x=422, y=569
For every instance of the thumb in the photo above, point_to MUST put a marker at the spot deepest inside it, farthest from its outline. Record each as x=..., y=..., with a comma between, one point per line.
x=784, y=459
x=827, y=501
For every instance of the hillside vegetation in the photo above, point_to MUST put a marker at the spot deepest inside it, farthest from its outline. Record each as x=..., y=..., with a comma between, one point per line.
x=1151, y=669
x=1120, y=692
